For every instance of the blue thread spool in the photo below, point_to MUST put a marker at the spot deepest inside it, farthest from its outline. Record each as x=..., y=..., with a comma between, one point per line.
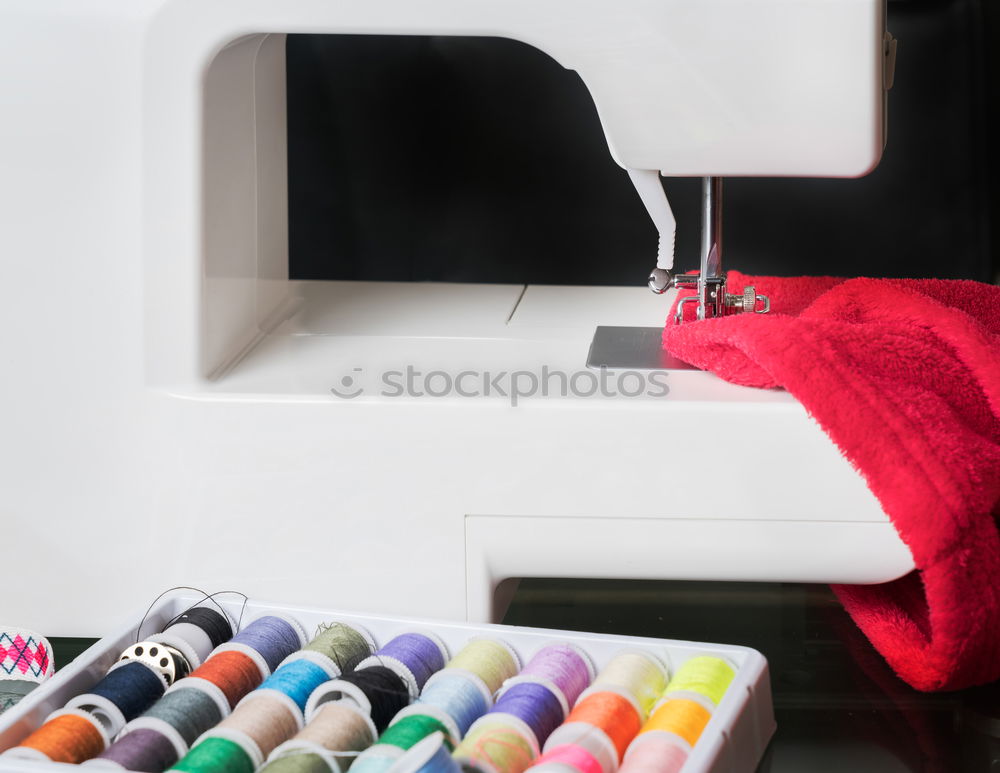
x=297, y=679
x=535, y=705
x=126, y=691
x=461, y=694
x=268, y=640
x=429, y=756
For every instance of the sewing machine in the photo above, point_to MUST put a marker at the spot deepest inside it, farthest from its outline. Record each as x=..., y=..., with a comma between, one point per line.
x=176, y=411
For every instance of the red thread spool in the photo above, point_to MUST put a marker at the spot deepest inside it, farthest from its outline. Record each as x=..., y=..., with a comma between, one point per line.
x=71, y=736
x=231, y=671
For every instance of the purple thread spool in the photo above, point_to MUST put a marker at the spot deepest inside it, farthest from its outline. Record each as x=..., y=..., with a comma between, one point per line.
x=419, y=653
x=535, y=705
x=272, y=638
x=561, y=665
x=142, y=749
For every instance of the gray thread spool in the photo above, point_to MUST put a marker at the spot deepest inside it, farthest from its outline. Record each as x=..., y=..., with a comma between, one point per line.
x=189, y=711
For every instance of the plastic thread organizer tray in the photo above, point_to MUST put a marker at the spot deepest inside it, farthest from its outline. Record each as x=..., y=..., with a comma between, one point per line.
x=733, y=740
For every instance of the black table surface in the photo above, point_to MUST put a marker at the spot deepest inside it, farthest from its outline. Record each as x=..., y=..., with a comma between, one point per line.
x=838, y=706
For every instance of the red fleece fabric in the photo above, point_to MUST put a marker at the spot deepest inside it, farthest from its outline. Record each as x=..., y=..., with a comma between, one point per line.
x=904, y=376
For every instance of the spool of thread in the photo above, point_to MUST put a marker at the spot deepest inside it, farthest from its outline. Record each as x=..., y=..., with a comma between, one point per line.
x=589, y=738
x=492, y=660
x=415, y=656
x=460, y=694
x=268, y=640
x=378, y=691
x=337, y=647
x=188, y=708
x=604, y=723
x=430, y=755
x=233, y=672
x=263, y=721
x=407, y=731
x=568, y=758
x=638, y=673
x=297, y=679
x=654, y=753
x=127, y=690
x=147, y=749
x=69, y=735
x=680, y=717
x=300, y=762
x=377, y=759
x=699, y=678
x=195, y=633
x=494, y=744
x=537, y=705
x=341, y=729
x=217, y=755
x=563, y=667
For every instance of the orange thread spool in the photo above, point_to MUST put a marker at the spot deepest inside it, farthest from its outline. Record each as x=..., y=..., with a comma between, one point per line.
x=231, y=671
x=615, y=714
x=679, y=716
x=71, y=737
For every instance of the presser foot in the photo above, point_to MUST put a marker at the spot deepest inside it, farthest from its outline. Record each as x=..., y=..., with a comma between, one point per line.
x=712, y=299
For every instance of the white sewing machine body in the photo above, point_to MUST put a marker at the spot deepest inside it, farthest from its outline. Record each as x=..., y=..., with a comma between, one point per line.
x=167, y=415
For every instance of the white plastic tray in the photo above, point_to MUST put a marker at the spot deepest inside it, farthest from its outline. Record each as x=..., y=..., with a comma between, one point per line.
x=733, y=741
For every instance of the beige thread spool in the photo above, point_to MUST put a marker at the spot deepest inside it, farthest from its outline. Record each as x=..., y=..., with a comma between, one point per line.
x=264, y=719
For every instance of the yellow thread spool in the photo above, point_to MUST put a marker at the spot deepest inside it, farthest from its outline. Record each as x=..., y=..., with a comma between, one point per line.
x=638, y=674
x=703, y=675
x=491, y=660
x=680, y=716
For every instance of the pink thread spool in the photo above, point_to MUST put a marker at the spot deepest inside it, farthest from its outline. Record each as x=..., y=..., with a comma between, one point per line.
x=655, y=752
x=567, y=758
x=563, y=666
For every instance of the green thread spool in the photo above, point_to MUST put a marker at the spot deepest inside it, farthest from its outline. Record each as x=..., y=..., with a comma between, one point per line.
x=702, y=675
x=410, y=730
x=491, y=660
x=343, y=644
x=304, y=762
x=216, y=755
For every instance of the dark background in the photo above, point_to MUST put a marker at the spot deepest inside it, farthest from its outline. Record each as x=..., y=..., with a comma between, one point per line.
x=482, y=160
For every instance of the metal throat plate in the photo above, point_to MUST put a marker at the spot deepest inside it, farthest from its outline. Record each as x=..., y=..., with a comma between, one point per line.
x=634, y=348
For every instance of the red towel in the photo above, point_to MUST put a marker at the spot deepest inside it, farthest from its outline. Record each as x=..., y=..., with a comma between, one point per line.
x=904, y=376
